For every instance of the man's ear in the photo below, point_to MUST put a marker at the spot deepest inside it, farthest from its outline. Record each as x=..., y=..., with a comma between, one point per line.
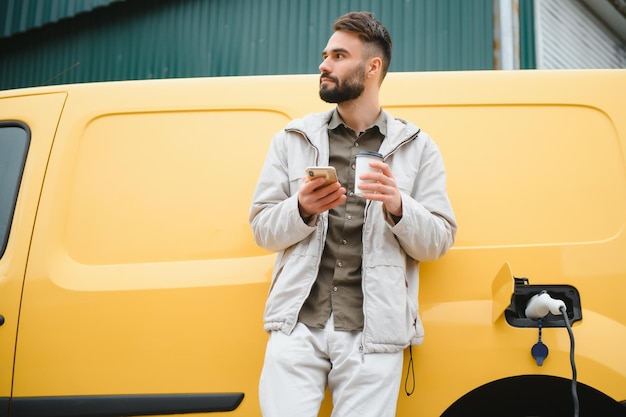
x=374, y=67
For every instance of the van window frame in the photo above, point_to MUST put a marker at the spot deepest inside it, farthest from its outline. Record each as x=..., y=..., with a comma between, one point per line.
x=8, y=197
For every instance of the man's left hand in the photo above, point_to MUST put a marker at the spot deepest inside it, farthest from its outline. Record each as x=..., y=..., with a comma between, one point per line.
x=384, y=188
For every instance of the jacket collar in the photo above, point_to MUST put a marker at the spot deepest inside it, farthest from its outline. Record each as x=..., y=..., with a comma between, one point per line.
x=381, y=122
x=314, y=126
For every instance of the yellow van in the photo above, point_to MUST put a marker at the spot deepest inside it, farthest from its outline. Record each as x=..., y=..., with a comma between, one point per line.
x=130, y=283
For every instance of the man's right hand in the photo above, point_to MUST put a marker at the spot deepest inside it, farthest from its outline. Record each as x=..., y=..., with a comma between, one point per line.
x=313, y=200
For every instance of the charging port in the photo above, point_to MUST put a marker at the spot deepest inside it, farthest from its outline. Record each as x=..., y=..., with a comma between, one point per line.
x=515, y=313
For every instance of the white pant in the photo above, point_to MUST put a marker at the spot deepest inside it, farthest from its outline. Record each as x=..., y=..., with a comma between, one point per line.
x=298, y=367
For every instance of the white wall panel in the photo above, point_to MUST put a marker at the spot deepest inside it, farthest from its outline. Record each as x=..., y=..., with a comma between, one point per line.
x=569, y=35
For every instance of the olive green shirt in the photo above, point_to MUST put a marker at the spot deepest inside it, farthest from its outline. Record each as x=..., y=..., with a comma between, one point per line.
x=337, y=288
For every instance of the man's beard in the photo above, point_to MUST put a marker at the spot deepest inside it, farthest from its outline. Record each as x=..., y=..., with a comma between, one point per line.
x=349, y=89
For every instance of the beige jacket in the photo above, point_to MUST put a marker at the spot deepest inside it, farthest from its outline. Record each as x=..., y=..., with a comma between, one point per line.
x=391, y=252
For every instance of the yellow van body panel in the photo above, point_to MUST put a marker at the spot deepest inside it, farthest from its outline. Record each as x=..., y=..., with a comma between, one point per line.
x=141, y=275
x=42, y=124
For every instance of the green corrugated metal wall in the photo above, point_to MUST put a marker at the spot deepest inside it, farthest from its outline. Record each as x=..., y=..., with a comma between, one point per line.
x=138, y=39
x=21, y=15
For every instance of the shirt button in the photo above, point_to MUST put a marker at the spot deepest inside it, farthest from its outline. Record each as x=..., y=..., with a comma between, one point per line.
x=334, y=289
x=340, y=264
x=356, y=144
x=349, y=217
x=344, y=242
x=353, y=166
x=351, y=194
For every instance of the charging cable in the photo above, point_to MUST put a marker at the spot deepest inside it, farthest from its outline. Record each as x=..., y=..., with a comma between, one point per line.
x=537, y=308
x=572, y=361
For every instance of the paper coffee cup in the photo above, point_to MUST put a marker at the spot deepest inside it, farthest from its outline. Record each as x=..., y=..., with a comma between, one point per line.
x=363, y=159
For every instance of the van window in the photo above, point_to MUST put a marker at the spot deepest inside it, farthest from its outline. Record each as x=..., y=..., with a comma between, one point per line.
x=14, y=138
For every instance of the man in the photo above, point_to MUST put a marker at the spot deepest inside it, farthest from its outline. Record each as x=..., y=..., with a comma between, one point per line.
x=343, y=300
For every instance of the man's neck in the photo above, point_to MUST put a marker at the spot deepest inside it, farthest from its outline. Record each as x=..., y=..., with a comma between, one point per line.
x=359, y=114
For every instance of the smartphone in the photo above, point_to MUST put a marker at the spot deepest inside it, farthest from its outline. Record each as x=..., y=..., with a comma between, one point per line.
x=328, y=173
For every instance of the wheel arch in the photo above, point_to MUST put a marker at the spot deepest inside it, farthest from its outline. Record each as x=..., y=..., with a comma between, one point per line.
x=536, y=395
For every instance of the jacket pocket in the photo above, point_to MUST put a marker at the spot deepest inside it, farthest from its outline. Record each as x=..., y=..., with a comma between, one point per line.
x=290, y=287
x=389, y=315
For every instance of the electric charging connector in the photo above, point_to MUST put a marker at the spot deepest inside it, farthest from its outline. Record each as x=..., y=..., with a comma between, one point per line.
x=541, y=304
x=515, y=314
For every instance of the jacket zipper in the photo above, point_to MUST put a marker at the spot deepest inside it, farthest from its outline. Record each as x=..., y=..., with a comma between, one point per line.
x=367, y=205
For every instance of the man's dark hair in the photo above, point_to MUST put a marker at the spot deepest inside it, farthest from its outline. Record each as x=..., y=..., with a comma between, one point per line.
x=370, y=31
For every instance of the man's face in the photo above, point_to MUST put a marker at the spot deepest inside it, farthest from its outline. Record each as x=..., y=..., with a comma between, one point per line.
x=342, y=68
